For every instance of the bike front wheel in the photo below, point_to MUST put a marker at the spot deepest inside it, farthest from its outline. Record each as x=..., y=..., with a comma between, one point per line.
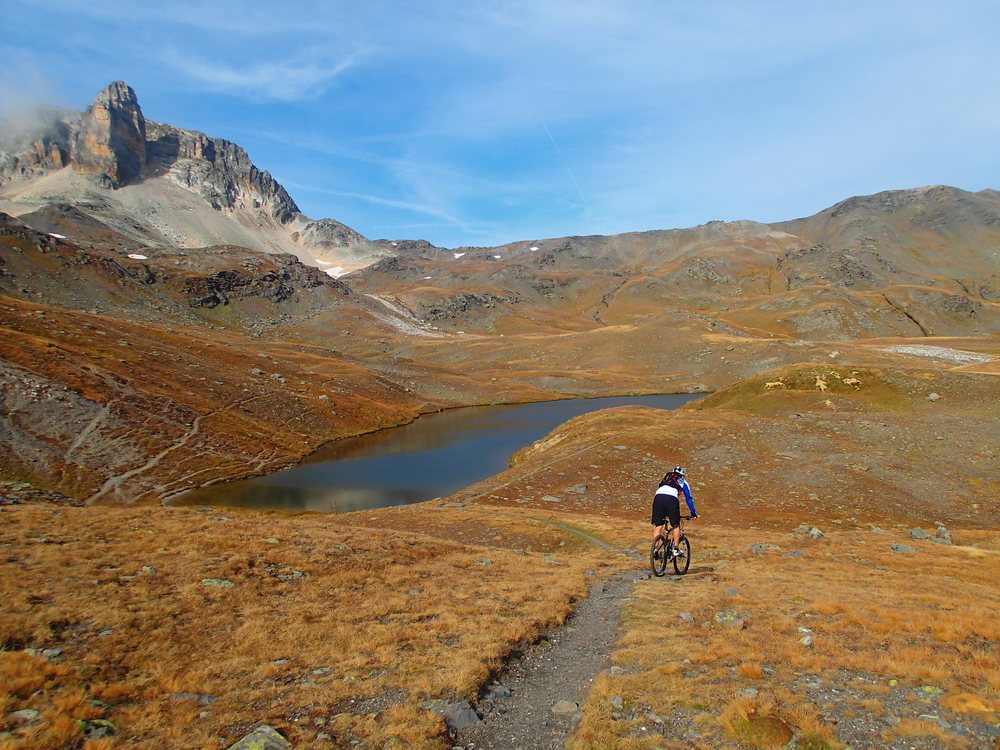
x=658, y=554
x=682, y=561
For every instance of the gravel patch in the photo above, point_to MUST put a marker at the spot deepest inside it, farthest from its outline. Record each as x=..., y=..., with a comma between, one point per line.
x=528, y=705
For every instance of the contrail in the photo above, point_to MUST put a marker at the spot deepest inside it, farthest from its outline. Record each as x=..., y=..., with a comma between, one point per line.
x=565, y=164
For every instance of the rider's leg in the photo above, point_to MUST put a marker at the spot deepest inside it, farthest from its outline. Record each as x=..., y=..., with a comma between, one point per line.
x=657, y=530
x=675, y=534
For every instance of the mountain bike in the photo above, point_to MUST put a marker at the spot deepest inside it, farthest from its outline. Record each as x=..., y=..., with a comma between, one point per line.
x=662, y=552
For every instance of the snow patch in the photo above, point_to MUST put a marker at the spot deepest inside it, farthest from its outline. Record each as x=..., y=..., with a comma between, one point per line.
x=458, y=255
x=394, y=244
x=133, y=256
x=57, y=236
x=956, y=356
x=427, y=278
x=533, y=248
x=497, y=257
x=325, y=262
x=336, y=272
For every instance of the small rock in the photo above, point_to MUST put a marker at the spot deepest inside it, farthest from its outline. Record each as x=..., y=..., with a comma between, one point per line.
x=98, y=728
x=219, y=583
x=551, y=499
x=24, y=715
x=794, y=553
x=806, y=640
x=263, y=737
x=748, y=693
x=148, y=569
x=902, y=548
x=730, y=618
x=484, y=561
x=256, y=371
x=763, y=548
x=803, y=528
x=497, y=692
x=942, y=536
x=655, y=719
x=732, y=592
x=201, y=698
x=621, y=447
x=52, y=653
x=616, y=670
x=815, y=533
x=576, y=489
x=564, y=708
x=686, y=617
x=460, y=715
x=933, y=397
x=272, y=540
x=919, y=534
x=616, y=701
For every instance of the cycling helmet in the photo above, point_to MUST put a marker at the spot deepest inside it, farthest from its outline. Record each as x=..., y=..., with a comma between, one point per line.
x=680, y=471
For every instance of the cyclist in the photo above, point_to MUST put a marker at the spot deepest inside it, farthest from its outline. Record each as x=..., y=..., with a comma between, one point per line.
x=666, y=504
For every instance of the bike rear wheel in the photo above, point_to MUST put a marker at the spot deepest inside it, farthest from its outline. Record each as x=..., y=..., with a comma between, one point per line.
x=658, y=555
x=683, y=561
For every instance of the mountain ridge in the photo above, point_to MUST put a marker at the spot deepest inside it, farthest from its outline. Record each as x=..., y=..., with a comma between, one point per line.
x=112, y=161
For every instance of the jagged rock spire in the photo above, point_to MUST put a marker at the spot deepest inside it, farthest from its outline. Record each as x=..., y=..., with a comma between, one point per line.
x=111, y=139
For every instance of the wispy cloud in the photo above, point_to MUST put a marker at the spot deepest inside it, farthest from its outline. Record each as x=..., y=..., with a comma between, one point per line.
x=305, y=76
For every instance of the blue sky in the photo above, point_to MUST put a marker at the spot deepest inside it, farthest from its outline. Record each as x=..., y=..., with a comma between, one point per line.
x=482, y=123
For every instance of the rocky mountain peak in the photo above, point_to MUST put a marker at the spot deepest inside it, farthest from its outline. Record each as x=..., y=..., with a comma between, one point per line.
x=110, y=138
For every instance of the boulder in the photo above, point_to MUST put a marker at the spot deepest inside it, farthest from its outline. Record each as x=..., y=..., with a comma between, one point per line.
x=460, y=715
x=263, y=737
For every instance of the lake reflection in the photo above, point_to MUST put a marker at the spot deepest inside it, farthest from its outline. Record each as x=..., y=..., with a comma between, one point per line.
x=433, y=456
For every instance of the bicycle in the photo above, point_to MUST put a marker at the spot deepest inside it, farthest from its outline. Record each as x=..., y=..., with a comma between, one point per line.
x=662, y=550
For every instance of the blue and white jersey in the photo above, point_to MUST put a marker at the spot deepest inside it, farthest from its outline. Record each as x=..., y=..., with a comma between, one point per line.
x=671, y=490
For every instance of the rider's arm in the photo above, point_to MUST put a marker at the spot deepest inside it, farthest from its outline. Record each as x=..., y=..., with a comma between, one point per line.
x=687, y=497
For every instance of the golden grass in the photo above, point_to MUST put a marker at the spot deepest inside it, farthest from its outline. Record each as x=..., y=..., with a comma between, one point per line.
x=917, y=629
x=324, y=625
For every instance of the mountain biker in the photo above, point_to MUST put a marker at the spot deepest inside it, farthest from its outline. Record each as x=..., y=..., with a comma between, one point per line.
x=666, y=504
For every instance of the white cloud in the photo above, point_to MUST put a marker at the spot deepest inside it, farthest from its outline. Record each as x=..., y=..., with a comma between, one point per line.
x=304, y=76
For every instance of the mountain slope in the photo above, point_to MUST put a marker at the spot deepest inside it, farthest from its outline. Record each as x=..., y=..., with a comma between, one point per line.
x=163, y=185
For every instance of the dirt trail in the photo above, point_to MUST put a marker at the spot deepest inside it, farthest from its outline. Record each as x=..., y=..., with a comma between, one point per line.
x=561, y=667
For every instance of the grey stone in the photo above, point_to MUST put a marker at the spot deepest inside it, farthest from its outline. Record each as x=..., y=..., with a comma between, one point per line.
x=263, y=737
x=815, y=533
x=763, y=547
x=942, y=535
x=564, y=708
x=686, y=617
x=24, y=715
x=219, y=583
x=730, y=618
x=919, y=534
x=576, y=489
x=747, y=693
x=616, y=701
x=732, y=592
x=933, y=397
x=52, y=653
x=794, y=553
x=902, y=548
x=806, y=640
x=148, y=569
x=201, y=698
x=497, y=692
x=460, y=715
x=551, y=499
x=484, y=561
x=803, y=528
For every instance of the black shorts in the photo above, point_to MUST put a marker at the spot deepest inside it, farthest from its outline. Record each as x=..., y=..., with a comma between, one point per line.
x=666, y=506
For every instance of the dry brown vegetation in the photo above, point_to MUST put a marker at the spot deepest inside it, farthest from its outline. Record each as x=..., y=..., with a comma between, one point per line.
x=899, y=635
x=321, y=626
